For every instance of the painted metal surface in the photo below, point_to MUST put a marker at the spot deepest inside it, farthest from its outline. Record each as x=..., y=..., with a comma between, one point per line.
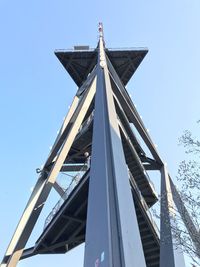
x=112, y=228
x=170, y=254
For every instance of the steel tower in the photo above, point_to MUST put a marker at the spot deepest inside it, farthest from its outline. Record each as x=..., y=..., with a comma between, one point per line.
x=107, y=204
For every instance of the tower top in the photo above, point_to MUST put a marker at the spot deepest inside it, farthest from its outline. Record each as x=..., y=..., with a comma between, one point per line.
x=80, y=62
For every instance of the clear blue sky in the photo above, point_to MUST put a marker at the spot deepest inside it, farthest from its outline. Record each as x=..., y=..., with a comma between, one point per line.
x=35, y=90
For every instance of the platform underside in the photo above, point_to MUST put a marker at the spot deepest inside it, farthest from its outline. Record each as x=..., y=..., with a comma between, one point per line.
x=80, y=63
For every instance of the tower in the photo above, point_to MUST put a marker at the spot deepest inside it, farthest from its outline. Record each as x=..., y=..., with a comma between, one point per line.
x=107, y=205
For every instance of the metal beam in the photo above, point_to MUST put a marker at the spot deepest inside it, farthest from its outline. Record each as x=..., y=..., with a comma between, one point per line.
x=150, y=164
x=29, y=252
x=124, y=120
x=170, y=255
x=150, y=167
x=74, y=218
x=73, y=107
x=71, y=119
x=132, y=149
x=66, y=120
x=74, y=168
x=86, y=83
x=131, y=112
x=66, y=242
x=112, y=232
x=58, y=188
x=67, y=224
x=43, y=187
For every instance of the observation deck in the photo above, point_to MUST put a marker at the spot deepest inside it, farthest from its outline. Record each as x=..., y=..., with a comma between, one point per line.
x=79, y=63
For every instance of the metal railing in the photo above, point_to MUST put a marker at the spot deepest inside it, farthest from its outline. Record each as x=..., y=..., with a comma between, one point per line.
x=74, y=182
x=91, y=49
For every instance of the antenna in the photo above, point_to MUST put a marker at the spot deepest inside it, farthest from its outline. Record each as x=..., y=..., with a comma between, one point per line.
x=100, y=29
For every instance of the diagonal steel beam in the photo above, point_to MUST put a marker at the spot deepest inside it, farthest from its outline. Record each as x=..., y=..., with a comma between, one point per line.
x=66, y=120
x=58, y=189
x=124, y=120
x=131, y=111
x=73, y=107
x=70, y=118
x=43, y=187
x=170, y=255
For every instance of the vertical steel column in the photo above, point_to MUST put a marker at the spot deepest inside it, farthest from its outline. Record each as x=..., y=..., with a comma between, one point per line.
x=170, y=255
x=112, y=233
x=42, y=189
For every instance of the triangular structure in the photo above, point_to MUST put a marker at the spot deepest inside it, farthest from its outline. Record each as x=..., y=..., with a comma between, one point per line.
x=107, y=207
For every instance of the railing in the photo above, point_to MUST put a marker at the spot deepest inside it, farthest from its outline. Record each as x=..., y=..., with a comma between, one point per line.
x=91, y=49
x=128, y=49
x=74, y=182
x=73, y=50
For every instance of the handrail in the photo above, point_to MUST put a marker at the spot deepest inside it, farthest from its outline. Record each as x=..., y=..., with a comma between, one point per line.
x=91, y=49
x=74, y=182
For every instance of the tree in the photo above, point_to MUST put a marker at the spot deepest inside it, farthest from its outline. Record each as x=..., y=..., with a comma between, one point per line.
x=189, y=178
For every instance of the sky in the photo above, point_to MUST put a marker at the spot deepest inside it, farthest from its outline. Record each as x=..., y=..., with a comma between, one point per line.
x=35, y=90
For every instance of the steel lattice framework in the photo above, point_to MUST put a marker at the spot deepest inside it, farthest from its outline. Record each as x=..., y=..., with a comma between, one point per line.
x=107, y=204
